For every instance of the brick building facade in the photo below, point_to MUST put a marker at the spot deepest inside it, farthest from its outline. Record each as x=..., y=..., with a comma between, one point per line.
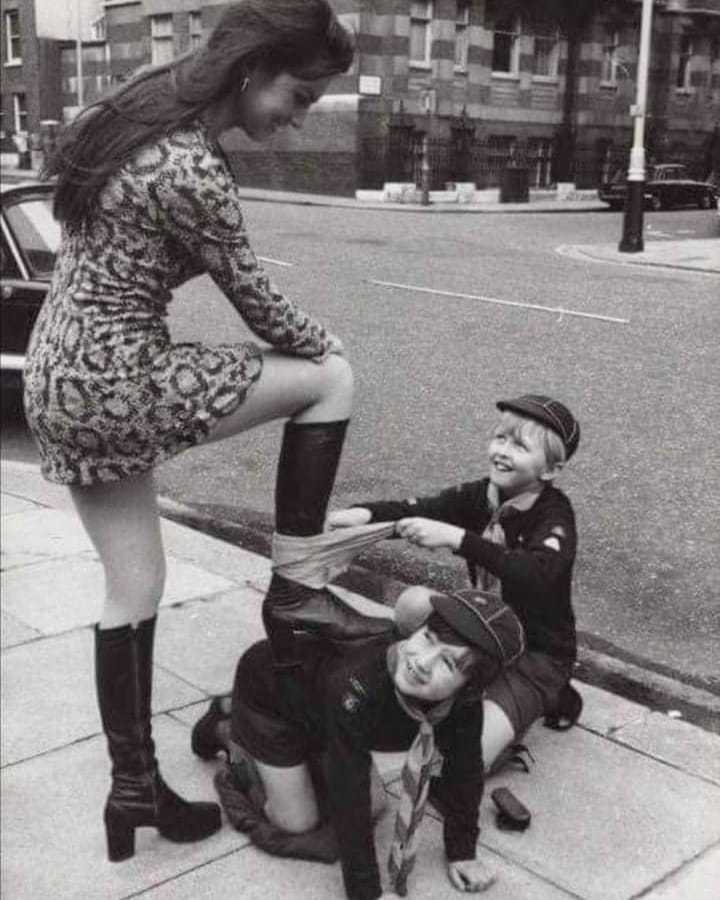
x=548, y=82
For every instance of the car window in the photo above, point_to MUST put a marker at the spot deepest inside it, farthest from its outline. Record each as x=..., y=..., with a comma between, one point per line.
x=37, y=233
x=8, y=265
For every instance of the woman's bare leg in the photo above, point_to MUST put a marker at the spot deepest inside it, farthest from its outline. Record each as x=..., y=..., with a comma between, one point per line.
x=121, y=519
x=290, y=387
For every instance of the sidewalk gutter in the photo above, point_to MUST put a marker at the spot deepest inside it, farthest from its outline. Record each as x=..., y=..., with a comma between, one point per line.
x=598, y=663
x=486, y=207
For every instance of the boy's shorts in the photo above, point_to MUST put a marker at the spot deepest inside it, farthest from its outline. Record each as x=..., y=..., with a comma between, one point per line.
x=529, y=689
x=262, y=721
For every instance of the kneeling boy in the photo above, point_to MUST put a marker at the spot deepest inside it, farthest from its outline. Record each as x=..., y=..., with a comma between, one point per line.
x=389, y=695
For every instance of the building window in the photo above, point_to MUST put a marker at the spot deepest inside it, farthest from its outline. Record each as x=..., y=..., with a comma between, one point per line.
x=421, y=14
x=161, y=32
x=98, y=29
x=684, y=72
x=506, y=44
x=546, y=51
x=19, y=112
x=611, y=43
x=462, y=26
x=195, y=28
x=13, y=43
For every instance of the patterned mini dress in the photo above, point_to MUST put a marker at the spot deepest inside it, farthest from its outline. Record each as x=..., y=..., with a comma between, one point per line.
x=107, y=393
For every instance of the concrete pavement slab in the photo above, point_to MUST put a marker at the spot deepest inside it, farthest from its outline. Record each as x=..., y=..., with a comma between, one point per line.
x=607, y=823
x=11, y=505
x=53, y=837
x=214, y=555
x=13, y=632
x=49, y=694
x=201, y=642
x=605, y=713
x=41, y=534
x=698, y=880
x=676, y=742
x=700, y=255
x=22, y=479
x=253, y=875
x=64, y=593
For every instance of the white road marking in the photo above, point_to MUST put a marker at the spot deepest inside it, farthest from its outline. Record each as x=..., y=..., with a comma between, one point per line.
x=558, y=310
x=275, y=262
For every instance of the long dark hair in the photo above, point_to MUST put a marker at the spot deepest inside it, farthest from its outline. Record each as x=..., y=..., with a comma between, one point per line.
x=301, y=37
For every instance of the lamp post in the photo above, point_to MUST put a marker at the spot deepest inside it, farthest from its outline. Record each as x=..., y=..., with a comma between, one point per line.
x=632, y=237
x=425, y=171
x=78, y=53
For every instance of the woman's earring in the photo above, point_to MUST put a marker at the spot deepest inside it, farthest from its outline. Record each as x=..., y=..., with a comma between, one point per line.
x=244, y=84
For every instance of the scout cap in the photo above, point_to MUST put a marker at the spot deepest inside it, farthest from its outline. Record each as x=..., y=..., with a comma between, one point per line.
x=548, y=412
x=484, y=621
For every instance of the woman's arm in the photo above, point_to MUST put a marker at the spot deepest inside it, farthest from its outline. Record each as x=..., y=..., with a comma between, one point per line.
x=200, y=208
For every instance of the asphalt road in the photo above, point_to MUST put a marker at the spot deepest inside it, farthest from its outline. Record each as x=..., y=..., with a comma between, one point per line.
x=429, y=367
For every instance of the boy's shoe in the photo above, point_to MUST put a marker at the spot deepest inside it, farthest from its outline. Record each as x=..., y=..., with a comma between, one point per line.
x=203, y=738
x=567, y=711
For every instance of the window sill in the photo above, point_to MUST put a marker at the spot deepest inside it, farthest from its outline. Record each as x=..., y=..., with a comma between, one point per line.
x=460, y=70
x=506, y=76
x=684, y=91
x=420, y=66
x=608, y=85
x=545, y=79
x=13, y=64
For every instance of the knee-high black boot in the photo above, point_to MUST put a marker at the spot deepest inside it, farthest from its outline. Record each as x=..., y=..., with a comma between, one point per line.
x=306, y=473
x=138, y=796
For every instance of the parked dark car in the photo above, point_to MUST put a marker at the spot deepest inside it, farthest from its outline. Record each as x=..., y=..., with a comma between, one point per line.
x=666, y=186
x=29, y=240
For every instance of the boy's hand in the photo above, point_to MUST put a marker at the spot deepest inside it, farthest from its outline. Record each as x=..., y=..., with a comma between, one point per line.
x=429, y=533
x=348, y=518
x=470, y=875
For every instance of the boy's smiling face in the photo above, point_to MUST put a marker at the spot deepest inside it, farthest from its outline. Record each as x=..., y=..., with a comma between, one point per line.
x=517, y=455
x=429, y=669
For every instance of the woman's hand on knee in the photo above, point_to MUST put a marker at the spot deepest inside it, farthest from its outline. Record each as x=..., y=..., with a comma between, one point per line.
x=348, y=518
x=335, y=347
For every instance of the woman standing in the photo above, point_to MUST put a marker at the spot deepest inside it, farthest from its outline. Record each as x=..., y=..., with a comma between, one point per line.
x=147, y=201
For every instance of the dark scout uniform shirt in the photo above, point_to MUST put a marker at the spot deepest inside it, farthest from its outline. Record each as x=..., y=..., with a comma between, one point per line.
x=535, y=568
x=348, y=706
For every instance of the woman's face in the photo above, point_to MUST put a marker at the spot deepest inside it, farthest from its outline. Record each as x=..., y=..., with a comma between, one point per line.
x=271, y=102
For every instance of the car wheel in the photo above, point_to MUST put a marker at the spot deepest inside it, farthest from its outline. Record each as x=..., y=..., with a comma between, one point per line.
x=705, y=201
x=656, y=203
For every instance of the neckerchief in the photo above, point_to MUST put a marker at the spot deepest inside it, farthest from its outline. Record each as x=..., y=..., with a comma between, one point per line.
x=414, y=782
x=494, y=531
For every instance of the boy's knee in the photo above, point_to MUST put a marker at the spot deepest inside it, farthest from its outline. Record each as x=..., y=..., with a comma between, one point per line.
x=412, y=609
x=294, y=821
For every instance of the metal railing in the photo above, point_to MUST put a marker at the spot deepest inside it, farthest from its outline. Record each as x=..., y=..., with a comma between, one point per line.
x=463, y=158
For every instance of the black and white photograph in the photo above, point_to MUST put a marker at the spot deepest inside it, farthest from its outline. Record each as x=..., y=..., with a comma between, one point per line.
x=359, y=450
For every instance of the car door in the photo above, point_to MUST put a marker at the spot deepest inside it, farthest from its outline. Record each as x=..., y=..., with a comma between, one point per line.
x=25, y=265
